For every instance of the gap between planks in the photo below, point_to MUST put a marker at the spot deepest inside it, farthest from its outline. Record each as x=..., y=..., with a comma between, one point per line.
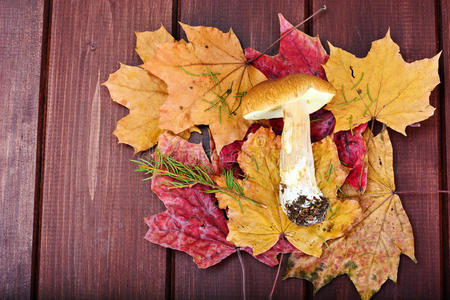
x=170, y=257
x=444, y=185
x=40, y=148
x=308, y=28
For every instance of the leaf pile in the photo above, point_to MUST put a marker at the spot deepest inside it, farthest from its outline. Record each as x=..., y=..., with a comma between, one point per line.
x=204, y=80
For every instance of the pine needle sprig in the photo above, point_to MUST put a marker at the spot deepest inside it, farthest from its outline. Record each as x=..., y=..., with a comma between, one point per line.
x=183, y=175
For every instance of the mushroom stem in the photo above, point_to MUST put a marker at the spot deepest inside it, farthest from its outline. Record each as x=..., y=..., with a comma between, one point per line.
x=300, y=197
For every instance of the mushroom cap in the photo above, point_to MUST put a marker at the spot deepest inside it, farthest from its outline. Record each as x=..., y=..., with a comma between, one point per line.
x=265, y=100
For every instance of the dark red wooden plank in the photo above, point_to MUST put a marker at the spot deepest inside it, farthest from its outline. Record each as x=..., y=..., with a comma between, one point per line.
x=92, y=240
x=416, y=158
x=256, y=25
x=445, y=105
x=21, y=27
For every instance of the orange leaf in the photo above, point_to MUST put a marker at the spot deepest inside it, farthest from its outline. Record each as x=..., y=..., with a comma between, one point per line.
x=143, y=94
x=206, y=80
x=148, y=41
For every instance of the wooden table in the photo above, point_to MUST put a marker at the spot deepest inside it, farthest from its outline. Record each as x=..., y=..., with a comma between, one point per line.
x=71, y=208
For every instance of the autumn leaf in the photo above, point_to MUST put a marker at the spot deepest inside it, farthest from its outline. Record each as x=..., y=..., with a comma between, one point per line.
x=299, y=53
x=207, y=79
x=260, y=228
x=330, y=173
x=352, y=148
x=270, y=256
x=381, y=86
x=148, y=41
x=142, y=93
x=191, y=223
x=322, y=124
x=370, y=252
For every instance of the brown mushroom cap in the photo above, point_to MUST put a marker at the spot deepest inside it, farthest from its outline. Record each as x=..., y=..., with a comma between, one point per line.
x=265, y=100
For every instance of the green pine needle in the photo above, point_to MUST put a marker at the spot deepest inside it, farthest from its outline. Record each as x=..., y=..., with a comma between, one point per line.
x=183, y=175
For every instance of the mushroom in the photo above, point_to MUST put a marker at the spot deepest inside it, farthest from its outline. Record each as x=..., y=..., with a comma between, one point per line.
x=294, y=97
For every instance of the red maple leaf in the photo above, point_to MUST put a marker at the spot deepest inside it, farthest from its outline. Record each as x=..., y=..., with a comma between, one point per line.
x=270, y=256
x=192, y=222
x=228, y=158
x=299, y=53
x=322, y=124
x=351, y=148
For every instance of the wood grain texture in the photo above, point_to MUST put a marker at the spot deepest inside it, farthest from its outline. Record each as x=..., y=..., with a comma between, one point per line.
x=21, y=27
x=445, y=108
x=256, y=25
x=416, y=157
x=93, y=206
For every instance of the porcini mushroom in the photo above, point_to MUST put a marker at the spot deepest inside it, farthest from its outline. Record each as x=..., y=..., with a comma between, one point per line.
x=294, y=97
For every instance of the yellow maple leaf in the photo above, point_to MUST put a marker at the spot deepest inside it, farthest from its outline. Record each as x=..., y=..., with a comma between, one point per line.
x=260, y=228
x=148, y=41
x=370, y=252
x=330, y=173
x=143, y=94
x=381, y=86
x=206, y=79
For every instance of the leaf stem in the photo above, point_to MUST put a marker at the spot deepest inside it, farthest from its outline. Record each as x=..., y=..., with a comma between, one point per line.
x=365, y=152
x=276, y=277
x=323, y=8
x=241, y=261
